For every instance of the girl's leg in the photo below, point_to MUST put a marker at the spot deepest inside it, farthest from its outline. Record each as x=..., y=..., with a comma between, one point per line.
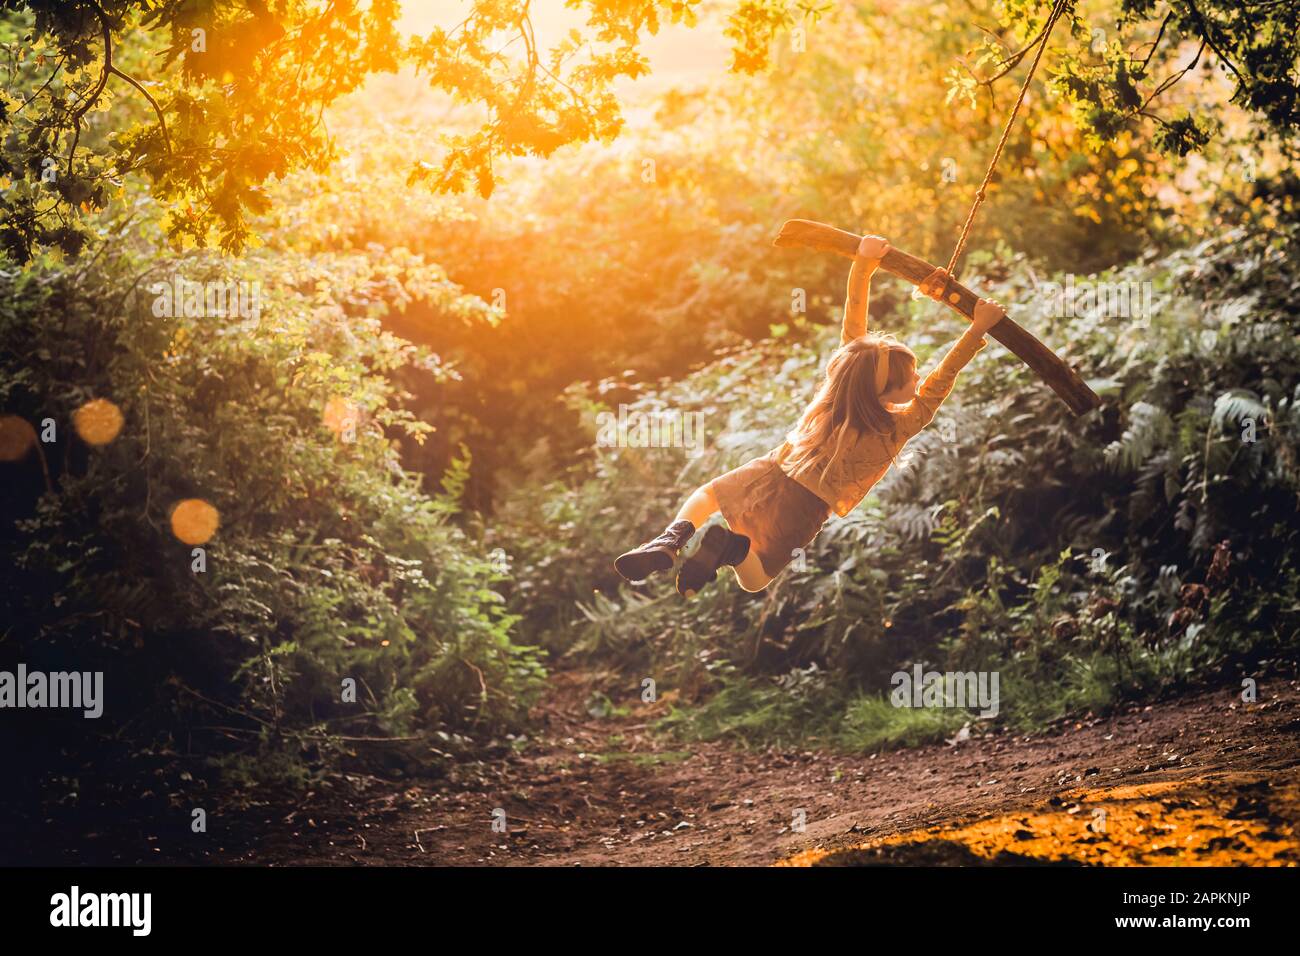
x=750, y=574
x=659, y=554
x=698, y=507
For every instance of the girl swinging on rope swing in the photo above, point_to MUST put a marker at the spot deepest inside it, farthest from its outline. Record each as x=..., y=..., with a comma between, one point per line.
x=866, y=409
x=864, y=412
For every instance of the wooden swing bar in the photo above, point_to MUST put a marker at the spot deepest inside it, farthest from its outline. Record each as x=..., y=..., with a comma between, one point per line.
x=1049, y=366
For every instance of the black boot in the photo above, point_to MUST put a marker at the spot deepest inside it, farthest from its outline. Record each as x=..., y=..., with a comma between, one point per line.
x=719, y=547
x=659, y=554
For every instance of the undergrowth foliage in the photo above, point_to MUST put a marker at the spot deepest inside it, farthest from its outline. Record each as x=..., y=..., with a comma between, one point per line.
x=1153, y=548
x=331, y=564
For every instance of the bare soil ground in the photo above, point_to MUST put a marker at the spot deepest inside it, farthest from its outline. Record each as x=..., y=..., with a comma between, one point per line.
x=1205, y=779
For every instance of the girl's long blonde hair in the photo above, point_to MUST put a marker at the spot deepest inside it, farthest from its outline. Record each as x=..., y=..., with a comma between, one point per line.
x=847, y=405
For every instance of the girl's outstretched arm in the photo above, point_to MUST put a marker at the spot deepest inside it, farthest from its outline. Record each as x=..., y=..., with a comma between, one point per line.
x=938, y=384
x=858, y=296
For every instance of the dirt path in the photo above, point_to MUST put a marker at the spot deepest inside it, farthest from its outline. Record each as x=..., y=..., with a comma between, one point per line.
x=1203, y=779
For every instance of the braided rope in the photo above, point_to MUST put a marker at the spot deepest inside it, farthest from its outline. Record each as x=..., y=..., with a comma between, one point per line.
x=1057, y=10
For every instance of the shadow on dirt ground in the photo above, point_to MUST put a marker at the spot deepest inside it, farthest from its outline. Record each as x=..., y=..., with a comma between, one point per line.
x=1202, y=779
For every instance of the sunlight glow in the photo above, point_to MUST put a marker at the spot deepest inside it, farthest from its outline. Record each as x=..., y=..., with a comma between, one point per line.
x=98, y=421
x=16, y=437
x=194, y=521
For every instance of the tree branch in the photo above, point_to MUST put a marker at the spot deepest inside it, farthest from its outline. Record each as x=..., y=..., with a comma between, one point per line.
x=1012, y=61
x=1209, y=38
x=99, y=88
x=1156, y=42
x=152, y=102
x=57, y=68
x=1172, y=79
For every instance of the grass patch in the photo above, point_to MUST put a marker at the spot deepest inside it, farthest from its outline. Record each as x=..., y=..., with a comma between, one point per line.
x=643, y=759
x=873, y=722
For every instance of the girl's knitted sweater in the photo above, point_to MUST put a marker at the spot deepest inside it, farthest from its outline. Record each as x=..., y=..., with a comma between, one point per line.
x=870, y=455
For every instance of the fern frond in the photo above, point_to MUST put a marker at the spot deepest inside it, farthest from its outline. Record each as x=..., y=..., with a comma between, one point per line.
x=1149, y=429
x=1236, y=404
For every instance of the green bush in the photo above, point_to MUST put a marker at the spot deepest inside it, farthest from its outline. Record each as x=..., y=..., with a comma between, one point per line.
x=330, y=562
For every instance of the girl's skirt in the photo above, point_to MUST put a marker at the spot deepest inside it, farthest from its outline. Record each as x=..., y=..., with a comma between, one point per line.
x=777, y=514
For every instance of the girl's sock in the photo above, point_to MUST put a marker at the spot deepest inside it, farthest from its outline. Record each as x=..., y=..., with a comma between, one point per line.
x=719, y=547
